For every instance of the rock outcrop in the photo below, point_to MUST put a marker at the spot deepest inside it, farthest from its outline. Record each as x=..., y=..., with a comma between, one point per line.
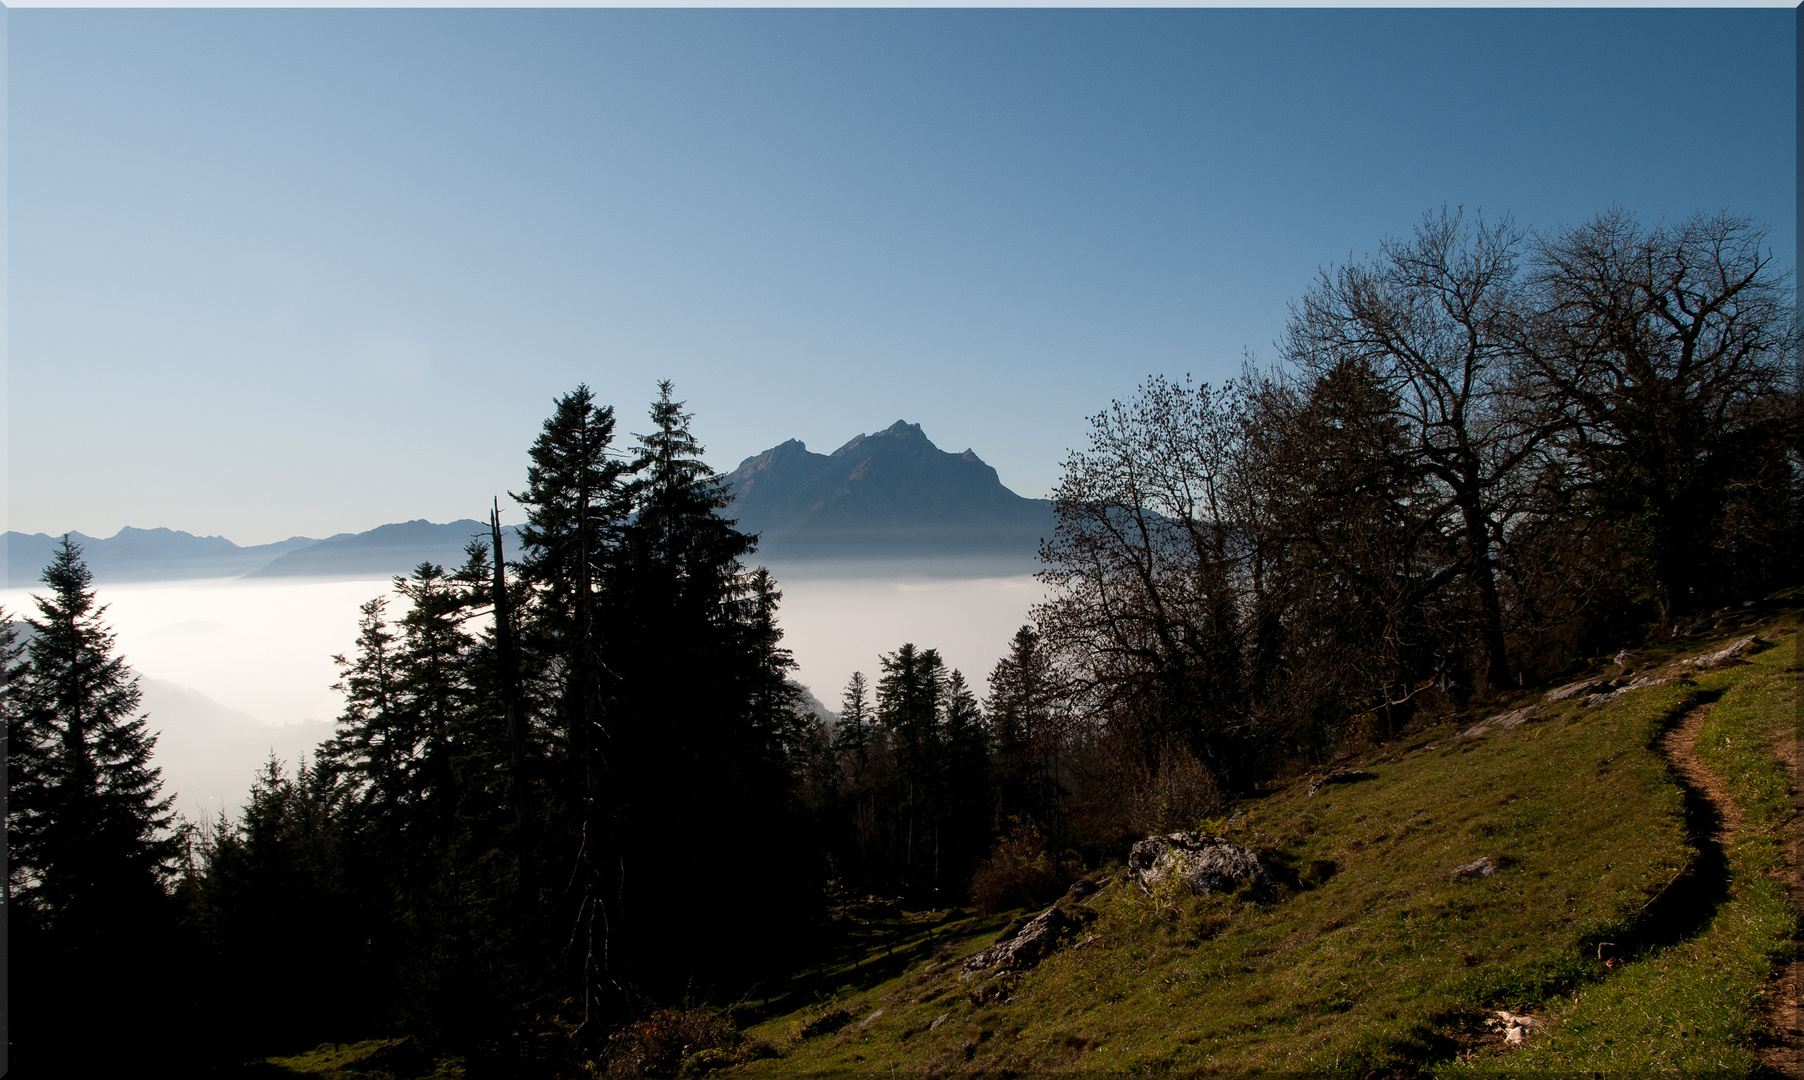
x=1025, y=947
x=1516, y=1027
x=1726, y=656
x=1588, y=686
x=1482, y=867
x=1508, y=721
x=1641, y=683
x=1202, y=862
x=1344, y=776
x=1024, y=943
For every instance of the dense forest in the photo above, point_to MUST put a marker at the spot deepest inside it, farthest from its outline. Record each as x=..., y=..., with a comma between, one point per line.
x=573, y=784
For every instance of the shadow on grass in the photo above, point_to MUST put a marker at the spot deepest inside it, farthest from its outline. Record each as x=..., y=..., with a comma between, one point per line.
x=1687, y=904
x=869, y=953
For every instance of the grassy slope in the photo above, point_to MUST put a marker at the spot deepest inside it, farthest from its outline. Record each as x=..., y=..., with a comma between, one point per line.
x=1366, y=954
x=1696, y=1006
x=372, y=1059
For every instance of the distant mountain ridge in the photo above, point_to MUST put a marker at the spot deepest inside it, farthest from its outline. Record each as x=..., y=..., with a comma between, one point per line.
x=143, y=555
x=169, y=555
x=888, y=495
x=388, y=550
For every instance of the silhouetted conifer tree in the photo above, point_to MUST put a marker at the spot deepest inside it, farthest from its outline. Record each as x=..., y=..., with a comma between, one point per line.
x=1020, y=733
x=908, y=707
x=89, y=831
x=278, y=872
x=853, y=737
x=700, y=704
x=965, y=786
x=577, y=506
x=858, y=838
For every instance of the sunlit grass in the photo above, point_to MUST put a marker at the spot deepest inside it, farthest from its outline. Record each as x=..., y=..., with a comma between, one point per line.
x=372, y=1059
x=1364, y=953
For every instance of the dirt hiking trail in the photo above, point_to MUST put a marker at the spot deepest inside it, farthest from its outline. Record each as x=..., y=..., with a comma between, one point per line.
x=1786, y=1056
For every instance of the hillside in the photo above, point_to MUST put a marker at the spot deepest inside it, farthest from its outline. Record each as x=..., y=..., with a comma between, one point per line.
x=1636, y=918
x=890, y=494
x=1634, y=924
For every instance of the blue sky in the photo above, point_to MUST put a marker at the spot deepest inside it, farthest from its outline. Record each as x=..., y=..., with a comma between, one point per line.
x=280, y=272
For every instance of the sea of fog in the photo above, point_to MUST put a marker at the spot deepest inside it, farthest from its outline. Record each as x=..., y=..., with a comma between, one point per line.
x=233, y=670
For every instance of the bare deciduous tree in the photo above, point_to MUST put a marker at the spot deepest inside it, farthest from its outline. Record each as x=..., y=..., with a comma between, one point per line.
x=1436, y=321
x=1668, y=350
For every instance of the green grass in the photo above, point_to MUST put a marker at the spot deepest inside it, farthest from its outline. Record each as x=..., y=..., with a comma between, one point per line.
x=1699, y=1005
x=1364, y=954
x=372, y=1059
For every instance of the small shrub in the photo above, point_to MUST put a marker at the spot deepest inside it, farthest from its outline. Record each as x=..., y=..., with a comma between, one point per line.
x=659, y=1045
x=755, y=1050
x=824, y=1024
x=1019, y=873
x=1178, y=793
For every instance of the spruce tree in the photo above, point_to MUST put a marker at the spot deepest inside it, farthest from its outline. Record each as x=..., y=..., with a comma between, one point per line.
x=777, y=724
x=367, y=754
x=576, y=506
x=964, y=784
x=11, y=671
x=279, y=872
x=1018, y=714
x=858, y=838
x=854, y=735
x=702, y=708
x=909, y=698
x=88, y=830
x=678, y=497
x=87, y=823
x=436, y=697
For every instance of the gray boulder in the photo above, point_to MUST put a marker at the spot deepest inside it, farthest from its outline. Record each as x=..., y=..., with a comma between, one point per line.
x=1482, y=867
x=1509, y=721
x=1725, y=657
x=1202, y=862
x=1588, y=686
x=1023, y=948
x=1342, y=776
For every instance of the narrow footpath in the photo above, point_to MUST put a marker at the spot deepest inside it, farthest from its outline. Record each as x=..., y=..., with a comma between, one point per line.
x=1680, y=747
x=1786, y=1056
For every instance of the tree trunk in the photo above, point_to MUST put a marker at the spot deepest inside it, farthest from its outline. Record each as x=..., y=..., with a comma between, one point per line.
x=1483, y=575
x=504, y=655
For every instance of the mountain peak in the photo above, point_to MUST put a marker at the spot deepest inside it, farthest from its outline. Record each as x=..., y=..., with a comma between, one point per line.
x=880, y=489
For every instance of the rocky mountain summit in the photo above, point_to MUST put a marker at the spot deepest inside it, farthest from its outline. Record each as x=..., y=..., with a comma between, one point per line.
x=893, y=493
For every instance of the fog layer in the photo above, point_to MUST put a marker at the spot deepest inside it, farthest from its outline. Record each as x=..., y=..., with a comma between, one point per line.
x=234, y=669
